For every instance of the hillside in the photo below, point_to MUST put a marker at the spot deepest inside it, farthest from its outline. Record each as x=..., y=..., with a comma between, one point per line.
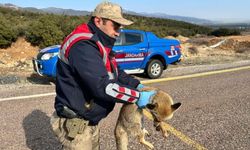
x=39, y=28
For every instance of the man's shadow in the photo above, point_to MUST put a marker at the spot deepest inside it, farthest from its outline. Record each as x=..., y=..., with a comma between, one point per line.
x=36, y=79
x=38, y=132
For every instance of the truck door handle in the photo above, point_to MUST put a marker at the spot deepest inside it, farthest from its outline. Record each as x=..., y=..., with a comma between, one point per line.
x=142, y=49
x=119, y=51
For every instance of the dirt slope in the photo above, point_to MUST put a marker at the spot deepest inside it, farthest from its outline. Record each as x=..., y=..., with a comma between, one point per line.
x=21, y=50
x=17, y=59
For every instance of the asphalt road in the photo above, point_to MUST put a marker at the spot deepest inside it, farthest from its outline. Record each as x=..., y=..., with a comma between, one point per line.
x=215, y=115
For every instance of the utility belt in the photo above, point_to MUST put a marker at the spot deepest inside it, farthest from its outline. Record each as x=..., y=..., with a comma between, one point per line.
x=74, y=123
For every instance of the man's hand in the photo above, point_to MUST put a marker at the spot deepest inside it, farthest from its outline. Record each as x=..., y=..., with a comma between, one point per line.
x=145, y=98
x=140, y=86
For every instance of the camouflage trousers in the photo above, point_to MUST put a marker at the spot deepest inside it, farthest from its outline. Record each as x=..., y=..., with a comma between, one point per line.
x=87, y=140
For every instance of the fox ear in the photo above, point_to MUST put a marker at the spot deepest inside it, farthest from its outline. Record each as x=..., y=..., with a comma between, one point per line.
x=175, y=106
x=151, y=106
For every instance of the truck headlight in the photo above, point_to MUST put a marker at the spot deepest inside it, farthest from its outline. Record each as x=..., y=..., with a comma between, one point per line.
x=47, y=56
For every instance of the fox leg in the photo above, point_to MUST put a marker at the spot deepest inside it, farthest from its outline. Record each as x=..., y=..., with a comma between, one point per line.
x=121, y=138
x=163, y=130
x=142, y=139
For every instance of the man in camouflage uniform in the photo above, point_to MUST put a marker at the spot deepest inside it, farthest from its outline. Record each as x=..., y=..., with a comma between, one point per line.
x=88, y=81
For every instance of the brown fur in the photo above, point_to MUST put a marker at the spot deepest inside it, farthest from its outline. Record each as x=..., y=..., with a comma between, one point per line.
x=129, y=122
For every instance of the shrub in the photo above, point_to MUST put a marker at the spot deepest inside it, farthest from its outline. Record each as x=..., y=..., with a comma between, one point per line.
x=225, y=32
x=68, y=23
x=242, y=50
x=173, y=33
x=44, y=32
x=243, y=47
x=193, y=50
x=7, y=33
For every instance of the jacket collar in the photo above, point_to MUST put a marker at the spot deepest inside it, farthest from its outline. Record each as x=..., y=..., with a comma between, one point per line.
x=106, y=40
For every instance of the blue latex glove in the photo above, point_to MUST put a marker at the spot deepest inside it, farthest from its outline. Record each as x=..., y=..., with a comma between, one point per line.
x=145, y=98
x=140, y=86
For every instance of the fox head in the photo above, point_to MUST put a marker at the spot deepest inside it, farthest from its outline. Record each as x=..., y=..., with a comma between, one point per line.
x=161, y=106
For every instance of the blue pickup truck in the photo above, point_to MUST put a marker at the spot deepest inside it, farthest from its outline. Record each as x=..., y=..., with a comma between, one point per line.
x=136, y=52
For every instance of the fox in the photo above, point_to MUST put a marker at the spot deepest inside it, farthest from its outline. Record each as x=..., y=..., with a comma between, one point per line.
x=129, y=122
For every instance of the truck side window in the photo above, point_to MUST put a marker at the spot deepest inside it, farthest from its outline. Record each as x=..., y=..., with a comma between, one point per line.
x=132, y=38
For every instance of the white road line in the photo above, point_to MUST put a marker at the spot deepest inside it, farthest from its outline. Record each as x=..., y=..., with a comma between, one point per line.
x=25, y=97
x=143, y=82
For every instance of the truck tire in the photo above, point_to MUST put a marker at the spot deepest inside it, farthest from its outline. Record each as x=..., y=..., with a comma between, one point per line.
x=154, y=69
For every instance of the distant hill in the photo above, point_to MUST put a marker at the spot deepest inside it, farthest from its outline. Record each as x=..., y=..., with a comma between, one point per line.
x=52, y=10
x=72, y=12
x=179, y=18
x=8, y=5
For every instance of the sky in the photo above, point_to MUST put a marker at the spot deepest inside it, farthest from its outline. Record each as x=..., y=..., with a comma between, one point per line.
x=216, y=10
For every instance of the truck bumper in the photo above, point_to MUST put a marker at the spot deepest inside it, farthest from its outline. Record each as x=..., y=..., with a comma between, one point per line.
x=36, y=66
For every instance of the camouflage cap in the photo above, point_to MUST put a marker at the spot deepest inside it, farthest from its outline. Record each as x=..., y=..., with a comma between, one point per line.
x=111, y=11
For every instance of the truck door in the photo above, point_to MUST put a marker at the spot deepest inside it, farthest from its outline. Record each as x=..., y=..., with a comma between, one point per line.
x=132, y=50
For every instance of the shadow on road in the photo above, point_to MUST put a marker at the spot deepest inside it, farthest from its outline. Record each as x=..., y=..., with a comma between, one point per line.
x=140, y=76
x=36, y=79
x=38, y=132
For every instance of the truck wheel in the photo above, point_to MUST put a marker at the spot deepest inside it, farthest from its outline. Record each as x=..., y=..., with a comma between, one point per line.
x=154, y=69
